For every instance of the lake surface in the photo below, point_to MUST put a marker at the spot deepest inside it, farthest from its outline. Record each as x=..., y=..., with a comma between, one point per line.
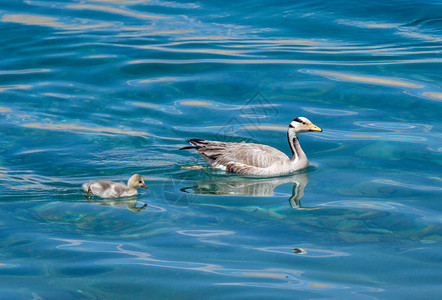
x=103, y=89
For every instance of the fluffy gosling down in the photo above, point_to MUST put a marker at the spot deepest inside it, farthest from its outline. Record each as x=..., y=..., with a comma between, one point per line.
x=257, y=159
x=110, y=189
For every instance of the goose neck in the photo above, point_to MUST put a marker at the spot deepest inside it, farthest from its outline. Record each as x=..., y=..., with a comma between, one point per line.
x=295, y=146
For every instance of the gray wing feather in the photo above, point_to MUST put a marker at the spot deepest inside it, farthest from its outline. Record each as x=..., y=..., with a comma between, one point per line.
x=244, y=155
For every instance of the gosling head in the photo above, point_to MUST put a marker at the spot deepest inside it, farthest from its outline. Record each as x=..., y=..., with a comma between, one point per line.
x=136, y=181
x=301, y=124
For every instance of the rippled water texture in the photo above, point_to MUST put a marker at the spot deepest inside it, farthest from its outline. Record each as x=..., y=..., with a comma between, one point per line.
x=107, y=88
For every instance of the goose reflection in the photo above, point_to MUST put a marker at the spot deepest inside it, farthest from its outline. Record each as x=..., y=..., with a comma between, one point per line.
x=253, y=187
x=130, y=202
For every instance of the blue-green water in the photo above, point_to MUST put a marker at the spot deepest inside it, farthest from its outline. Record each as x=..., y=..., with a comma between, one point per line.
x=108, y=88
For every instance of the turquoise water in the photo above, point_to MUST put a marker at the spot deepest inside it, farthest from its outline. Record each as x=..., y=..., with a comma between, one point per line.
x=108, y=88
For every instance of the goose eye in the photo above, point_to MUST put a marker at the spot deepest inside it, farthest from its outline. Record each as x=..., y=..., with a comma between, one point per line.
x=140, y=181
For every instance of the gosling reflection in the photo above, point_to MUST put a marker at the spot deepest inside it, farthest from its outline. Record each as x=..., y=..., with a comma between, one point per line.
x=254, y=187
x=130, y=202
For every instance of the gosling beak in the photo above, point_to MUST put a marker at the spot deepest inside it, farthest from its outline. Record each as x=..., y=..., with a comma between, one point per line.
x=144, y=186
x=315, y=128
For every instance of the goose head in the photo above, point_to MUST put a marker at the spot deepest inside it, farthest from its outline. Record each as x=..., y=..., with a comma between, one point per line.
x=301, y=124
x=136, y=181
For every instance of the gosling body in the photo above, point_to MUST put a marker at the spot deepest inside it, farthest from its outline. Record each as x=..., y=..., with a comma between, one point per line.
x=111, y=189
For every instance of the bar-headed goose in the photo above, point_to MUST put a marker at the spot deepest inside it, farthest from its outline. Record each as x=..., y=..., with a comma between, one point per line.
x=110, y=189
x=256, y=159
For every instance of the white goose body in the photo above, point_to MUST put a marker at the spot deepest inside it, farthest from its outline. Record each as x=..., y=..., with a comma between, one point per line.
x=256, y=159
x=110, y=189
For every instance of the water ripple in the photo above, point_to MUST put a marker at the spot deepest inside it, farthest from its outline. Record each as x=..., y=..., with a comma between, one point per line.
x=329, y=111
x=53, y=22
x=147, y=259
x=369, y=79
x=309, y=252
x=205, y=233
x=24, y=71
x=114, y=10
x=107, y=88
x=395, y=126
x=282, y=61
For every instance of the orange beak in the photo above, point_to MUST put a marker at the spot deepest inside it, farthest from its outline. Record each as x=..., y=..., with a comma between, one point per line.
x=144, y=186
x=315, y=128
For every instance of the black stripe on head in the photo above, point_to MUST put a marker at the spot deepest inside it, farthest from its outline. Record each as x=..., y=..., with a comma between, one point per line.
x=299, y=120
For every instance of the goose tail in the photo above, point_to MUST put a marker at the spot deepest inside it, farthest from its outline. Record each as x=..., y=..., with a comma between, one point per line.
x=194, y=144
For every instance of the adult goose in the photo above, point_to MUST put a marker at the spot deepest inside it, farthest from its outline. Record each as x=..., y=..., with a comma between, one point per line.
x=256, y=159
x=110, y=189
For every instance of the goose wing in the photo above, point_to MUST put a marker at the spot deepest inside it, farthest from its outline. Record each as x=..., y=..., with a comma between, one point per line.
x=237, y=156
